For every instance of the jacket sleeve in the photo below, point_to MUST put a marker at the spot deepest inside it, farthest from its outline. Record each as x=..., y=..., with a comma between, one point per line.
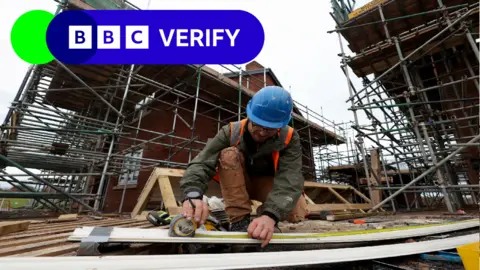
x=203, y=167
x=288, y=182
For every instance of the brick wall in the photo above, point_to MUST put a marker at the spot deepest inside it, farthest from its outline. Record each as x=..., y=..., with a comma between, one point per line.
x=161, y=121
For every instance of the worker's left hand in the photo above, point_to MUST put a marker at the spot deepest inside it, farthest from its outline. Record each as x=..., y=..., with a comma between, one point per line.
x=262, y=228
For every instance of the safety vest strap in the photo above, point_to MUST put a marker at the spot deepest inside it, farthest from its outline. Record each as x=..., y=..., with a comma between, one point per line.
x=236, y=132
x=286, y=137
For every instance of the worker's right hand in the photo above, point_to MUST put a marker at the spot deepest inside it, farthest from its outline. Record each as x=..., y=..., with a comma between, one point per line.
x=200, y=213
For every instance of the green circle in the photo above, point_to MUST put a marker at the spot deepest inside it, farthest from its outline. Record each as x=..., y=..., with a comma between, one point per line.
x=29, y=37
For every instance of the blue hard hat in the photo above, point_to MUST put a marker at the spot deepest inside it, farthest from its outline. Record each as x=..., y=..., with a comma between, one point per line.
x=271, y=107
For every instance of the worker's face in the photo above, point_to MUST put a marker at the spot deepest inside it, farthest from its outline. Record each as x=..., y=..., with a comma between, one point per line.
x=260, y=134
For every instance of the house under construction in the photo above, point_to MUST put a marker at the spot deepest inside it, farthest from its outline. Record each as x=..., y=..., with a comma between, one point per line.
x=419, y=62
x=108, y=144
x=95, y=133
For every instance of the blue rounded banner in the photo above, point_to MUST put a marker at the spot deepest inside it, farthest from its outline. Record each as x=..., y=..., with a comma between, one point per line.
x=155, y=37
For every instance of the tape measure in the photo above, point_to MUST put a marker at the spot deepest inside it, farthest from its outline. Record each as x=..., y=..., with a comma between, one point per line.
x=180, y=226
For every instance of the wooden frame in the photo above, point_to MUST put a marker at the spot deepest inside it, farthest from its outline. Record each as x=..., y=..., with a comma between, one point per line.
x=160, y=177
x=313, y=206
x=159, y=182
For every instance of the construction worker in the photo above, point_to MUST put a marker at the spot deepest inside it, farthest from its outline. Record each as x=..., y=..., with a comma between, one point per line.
x=256, y=158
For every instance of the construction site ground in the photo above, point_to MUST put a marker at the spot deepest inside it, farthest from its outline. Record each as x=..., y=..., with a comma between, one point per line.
x=400, y=219
x=47, y=237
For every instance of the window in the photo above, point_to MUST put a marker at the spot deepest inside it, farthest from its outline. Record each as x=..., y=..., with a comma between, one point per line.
x=131, y=162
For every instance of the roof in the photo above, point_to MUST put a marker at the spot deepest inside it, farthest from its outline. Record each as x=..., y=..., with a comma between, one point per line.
x=255, y=72
x=269, y=71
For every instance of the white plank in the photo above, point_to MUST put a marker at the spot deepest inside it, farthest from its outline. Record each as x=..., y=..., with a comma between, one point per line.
x=161, y=236
x=235, y=260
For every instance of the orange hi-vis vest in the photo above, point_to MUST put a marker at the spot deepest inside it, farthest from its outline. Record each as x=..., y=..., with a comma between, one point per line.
x=236, y=133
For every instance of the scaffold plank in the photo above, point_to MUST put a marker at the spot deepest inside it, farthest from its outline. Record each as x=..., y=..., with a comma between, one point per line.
x=161, y=236
x=365, y=8
x=237, y=260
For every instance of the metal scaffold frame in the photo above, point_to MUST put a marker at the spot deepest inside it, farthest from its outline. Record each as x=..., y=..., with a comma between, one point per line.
x=82, y=126
x=422, y=105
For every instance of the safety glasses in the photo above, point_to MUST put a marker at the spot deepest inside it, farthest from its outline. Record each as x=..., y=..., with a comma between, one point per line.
x=258, y=127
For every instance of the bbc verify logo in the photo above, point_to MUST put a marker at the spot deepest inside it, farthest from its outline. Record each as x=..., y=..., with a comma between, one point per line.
x=108, y=37
x=141, y=37
x=136, y=37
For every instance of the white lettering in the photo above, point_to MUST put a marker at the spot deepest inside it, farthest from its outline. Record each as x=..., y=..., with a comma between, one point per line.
x=80, y=37
x=137, y=37
x=232, y=37
x=167, y=41
x=216, y=36
x=198, y=37
x=207, y=38
x=181, y=37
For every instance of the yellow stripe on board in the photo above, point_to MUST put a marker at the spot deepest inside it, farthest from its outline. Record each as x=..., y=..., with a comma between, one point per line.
x=320, y=235
x=365, y=8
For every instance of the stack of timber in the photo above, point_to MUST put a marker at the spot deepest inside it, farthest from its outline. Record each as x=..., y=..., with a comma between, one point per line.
x=46, y=240
x=49, y=237
x=63, y=238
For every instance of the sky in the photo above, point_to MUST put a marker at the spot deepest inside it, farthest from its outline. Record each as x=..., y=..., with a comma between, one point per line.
x=297, y=48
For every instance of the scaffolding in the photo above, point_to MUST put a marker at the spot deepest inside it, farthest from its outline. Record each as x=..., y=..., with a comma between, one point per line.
x=76, y=130
x=418, y=62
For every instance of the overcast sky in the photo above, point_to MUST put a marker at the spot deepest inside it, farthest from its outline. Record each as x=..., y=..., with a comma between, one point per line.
x=297, y=48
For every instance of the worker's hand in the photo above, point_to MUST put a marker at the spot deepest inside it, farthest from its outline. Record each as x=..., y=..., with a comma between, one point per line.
x=262, y=228
x=200, y=213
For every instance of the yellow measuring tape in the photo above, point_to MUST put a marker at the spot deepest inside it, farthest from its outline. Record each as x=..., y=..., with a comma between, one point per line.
x=319, y=235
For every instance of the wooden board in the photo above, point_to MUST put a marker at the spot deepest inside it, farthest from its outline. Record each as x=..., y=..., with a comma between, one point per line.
x=158, y=182
x=167, y=195
x=44, y=238
x=322, y=185
x=68, y=216
x=237, y=260
x=337, y=217
x=334, y=197
x=369, y=6
x=125, y=235
x=163, y=185
x=160, y=187
x=145, y=194
x=7, y=227
x=337, y=206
